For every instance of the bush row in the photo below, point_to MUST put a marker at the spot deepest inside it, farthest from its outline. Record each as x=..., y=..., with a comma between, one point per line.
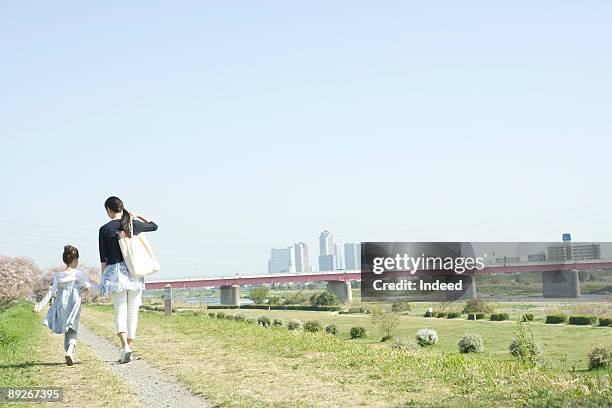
x=310, y=308
x=580, y=320
x=522, y=346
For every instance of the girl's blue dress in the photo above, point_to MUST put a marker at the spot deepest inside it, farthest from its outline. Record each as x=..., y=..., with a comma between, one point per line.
x=65, y=312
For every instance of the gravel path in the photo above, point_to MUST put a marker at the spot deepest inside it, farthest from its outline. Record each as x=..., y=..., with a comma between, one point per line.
x=153, y=387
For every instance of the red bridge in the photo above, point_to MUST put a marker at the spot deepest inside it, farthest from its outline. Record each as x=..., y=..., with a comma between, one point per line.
x=559, y=279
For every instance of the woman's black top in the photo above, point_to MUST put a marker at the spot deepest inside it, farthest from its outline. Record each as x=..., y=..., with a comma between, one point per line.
x=108, y=239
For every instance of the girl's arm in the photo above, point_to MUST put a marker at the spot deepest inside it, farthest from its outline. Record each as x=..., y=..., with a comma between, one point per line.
x=50, y=293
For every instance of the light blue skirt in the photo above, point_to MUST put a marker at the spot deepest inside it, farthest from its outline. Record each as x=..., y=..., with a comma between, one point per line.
x=65, y=312
x=116, y=278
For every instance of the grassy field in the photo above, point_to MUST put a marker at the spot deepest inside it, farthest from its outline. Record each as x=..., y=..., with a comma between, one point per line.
x=32, y=356
x=564, y=346
x=242, y=365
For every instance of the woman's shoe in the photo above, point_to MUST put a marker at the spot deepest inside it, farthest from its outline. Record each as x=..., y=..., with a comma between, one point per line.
x=126, y=355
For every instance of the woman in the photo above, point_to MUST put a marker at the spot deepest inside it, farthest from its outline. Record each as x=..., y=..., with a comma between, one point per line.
x=125, y=290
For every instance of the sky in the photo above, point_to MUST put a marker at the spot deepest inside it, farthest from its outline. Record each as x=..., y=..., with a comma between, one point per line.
x=241, y=126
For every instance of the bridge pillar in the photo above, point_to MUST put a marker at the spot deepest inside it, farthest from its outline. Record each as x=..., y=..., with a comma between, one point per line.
x=560, y=284
x=342, y=290
x=469, y=287
x=230, y=295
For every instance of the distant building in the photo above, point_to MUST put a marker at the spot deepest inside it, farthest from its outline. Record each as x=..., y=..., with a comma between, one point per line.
x=574, y=251
x=352, y=256
x=326, y=263
x=326, y=243
x=536, y=258
x=339, y=256
x=302, y=258
x=282, y=260
x=508, y=260
x=327, y=250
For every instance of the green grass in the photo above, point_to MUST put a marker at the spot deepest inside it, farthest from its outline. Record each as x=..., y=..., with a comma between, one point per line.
x=237, y=364
x=20, y=332
x=31, y=356
x=565, y=347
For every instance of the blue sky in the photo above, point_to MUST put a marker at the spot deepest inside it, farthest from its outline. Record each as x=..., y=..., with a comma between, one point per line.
x=245, y=125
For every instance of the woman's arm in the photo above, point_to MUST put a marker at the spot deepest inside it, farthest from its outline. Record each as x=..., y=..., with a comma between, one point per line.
x=142, y=224
x=84, y=281
x=50, y=293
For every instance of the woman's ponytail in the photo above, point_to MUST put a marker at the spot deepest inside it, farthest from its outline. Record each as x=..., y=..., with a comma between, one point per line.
x=126, y=223
x=115, y=205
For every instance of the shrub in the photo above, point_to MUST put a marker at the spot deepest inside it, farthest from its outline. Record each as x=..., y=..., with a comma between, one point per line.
x=477, y=306
x=426, y=337
x=220, y=315
x=239, y=317
x=259, y=295
x=313, y=326
x=498, y=317
x=324, y=299
x=605, y=321
x=556, y=318
x=401, y=306
x=264, y=321
x=251, y=320
x=441, y=314
x=600, y=357
x=212, y=314
x=359, y=309
x=453, y=315
x=386, y=338
x=358, y=332
x=277, y=323
x=471, y=343
x=294, y=324
x=428, y=314
x=582, y=320
x=384, y=320
x=475, y=316
x=523, y=345
x=332, y=329
x=295, y=298
x=527, y=317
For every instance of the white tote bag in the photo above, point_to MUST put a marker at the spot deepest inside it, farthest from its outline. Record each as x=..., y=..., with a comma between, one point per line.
x=138, y=254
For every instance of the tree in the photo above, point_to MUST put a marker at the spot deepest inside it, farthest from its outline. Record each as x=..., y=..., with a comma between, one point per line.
x=324, y=299
x=18, y=276
x=385, y=320
x=259, y=295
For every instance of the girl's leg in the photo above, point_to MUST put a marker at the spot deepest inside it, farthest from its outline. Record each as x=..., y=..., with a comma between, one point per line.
x=133, y=303
x=120, y=301
x=70, y=339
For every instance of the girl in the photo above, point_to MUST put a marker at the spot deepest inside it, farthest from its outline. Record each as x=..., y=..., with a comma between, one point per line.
x=125, y=290
x=64, y=314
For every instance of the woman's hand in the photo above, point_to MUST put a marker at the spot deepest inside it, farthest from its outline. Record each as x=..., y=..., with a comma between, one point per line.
x=138, y=216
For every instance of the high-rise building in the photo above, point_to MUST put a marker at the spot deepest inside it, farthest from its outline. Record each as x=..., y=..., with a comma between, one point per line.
x=302, y=258
x=338, y=257
x=326, y=263
x=326, y=243
x=352, y=256
x=327, y=260
x=282, y=260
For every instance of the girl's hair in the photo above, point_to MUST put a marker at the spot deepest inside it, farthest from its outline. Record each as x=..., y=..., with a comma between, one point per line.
x=70, y=254
x=116, y=205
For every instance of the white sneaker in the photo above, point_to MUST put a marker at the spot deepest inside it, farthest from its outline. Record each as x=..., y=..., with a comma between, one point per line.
x=70, y=355
x=126, y=355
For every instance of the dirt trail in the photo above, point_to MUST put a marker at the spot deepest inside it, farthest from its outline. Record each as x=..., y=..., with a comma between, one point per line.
x=154, y=388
